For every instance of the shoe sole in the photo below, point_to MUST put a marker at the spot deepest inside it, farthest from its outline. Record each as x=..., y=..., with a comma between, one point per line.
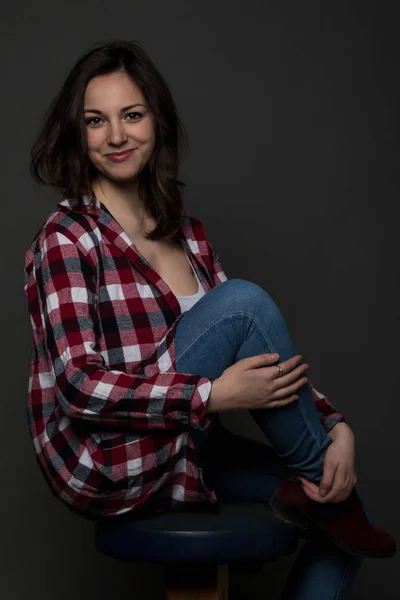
x=292, y=517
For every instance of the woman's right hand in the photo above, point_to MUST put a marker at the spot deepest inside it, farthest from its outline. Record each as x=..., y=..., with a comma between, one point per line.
x=255, y=382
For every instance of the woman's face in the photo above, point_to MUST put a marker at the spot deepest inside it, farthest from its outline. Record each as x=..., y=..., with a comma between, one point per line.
x=118, y=119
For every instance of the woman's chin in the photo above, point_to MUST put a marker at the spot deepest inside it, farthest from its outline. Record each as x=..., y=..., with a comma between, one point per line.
x=127, y=177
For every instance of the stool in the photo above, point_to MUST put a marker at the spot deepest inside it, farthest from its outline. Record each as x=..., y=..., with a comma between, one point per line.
x=196, y=548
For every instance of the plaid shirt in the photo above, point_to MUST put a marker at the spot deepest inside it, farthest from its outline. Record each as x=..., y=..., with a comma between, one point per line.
x=108, y=414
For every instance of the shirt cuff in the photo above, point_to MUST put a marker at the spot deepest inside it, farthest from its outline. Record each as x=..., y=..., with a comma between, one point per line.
x=199, y=418
x=331, y=420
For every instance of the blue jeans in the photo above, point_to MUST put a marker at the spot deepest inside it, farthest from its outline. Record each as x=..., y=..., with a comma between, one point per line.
x=235, y=320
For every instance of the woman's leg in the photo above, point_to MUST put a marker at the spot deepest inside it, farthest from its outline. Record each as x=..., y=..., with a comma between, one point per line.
x=238, y=319
x=240, y=469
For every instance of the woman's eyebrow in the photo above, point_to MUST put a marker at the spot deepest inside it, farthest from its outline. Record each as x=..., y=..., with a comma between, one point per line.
x=94, y=110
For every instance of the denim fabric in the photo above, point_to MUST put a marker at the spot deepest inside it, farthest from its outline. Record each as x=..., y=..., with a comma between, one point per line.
x=235, y=320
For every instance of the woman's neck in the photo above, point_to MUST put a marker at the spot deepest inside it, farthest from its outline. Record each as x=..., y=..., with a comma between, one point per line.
x=123, y=200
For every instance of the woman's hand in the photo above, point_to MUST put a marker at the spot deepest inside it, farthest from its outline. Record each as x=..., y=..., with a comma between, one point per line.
x=254, y=382
x=339, y=476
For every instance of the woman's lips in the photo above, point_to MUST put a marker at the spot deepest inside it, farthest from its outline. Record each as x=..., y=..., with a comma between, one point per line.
x=119, y=157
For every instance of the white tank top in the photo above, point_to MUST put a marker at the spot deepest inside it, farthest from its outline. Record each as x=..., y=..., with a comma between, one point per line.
x=186, y=302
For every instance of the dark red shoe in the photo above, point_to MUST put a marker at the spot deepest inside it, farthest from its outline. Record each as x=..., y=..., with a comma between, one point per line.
x=345, y=523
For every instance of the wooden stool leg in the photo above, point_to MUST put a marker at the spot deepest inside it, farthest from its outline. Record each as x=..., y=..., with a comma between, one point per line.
x=223, y=582
x=200, y=582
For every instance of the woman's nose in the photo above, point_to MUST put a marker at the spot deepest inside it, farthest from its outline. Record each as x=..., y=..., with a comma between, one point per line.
x=116, y=134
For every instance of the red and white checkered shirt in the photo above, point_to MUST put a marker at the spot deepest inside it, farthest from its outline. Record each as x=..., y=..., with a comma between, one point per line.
x=108, y=414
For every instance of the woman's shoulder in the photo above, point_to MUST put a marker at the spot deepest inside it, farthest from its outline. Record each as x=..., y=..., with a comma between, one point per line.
x=62, y=227
x=193, y=225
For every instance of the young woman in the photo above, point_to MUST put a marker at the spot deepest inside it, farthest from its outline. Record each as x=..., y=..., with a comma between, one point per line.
x=140, y=340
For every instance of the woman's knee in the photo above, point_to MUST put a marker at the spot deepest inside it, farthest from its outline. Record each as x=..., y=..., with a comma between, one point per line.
x=246, y=296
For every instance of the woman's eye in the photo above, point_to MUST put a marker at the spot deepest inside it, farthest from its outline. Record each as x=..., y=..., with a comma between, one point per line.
x=92, y=119
x=134, y=113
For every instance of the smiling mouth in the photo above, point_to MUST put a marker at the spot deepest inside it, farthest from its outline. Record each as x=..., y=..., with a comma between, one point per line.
x=120, y=153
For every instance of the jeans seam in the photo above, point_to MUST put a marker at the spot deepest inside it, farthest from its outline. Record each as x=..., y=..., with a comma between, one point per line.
x=340, y=587
x=205, y=331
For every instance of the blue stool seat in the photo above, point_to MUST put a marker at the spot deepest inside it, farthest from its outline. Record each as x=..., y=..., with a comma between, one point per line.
x=237, y=533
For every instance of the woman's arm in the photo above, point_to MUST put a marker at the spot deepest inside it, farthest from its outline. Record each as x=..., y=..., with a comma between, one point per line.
x=60, y=286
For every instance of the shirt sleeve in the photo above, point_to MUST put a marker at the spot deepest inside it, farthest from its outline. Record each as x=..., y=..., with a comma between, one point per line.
x=330, y=416
x=216, y=270
x=61, y=292
x=218, y=273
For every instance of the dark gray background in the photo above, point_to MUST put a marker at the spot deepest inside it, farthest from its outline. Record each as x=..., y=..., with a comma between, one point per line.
x=292, y=113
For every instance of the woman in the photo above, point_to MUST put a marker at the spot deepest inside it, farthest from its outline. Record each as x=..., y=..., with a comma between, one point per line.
x=140, y=340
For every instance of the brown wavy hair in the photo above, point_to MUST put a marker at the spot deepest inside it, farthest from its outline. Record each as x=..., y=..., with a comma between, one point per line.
x=59, y=156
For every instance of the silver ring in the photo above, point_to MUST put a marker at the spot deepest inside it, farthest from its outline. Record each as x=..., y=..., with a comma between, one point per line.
x=280, y=370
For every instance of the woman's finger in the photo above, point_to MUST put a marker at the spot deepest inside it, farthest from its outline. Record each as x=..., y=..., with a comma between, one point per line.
x=338, y=490
x=312, y=486
x=288, y=377
x=330, y=475
x=312, y=494
x=279, y=403
x=284, y=392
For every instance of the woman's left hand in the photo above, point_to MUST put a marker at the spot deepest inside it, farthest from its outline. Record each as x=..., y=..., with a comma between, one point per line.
x=339, y=476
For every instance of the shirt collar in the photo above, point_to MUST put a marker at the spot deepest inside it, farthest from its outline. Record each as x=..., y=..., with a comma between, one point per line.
x=86, y=206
